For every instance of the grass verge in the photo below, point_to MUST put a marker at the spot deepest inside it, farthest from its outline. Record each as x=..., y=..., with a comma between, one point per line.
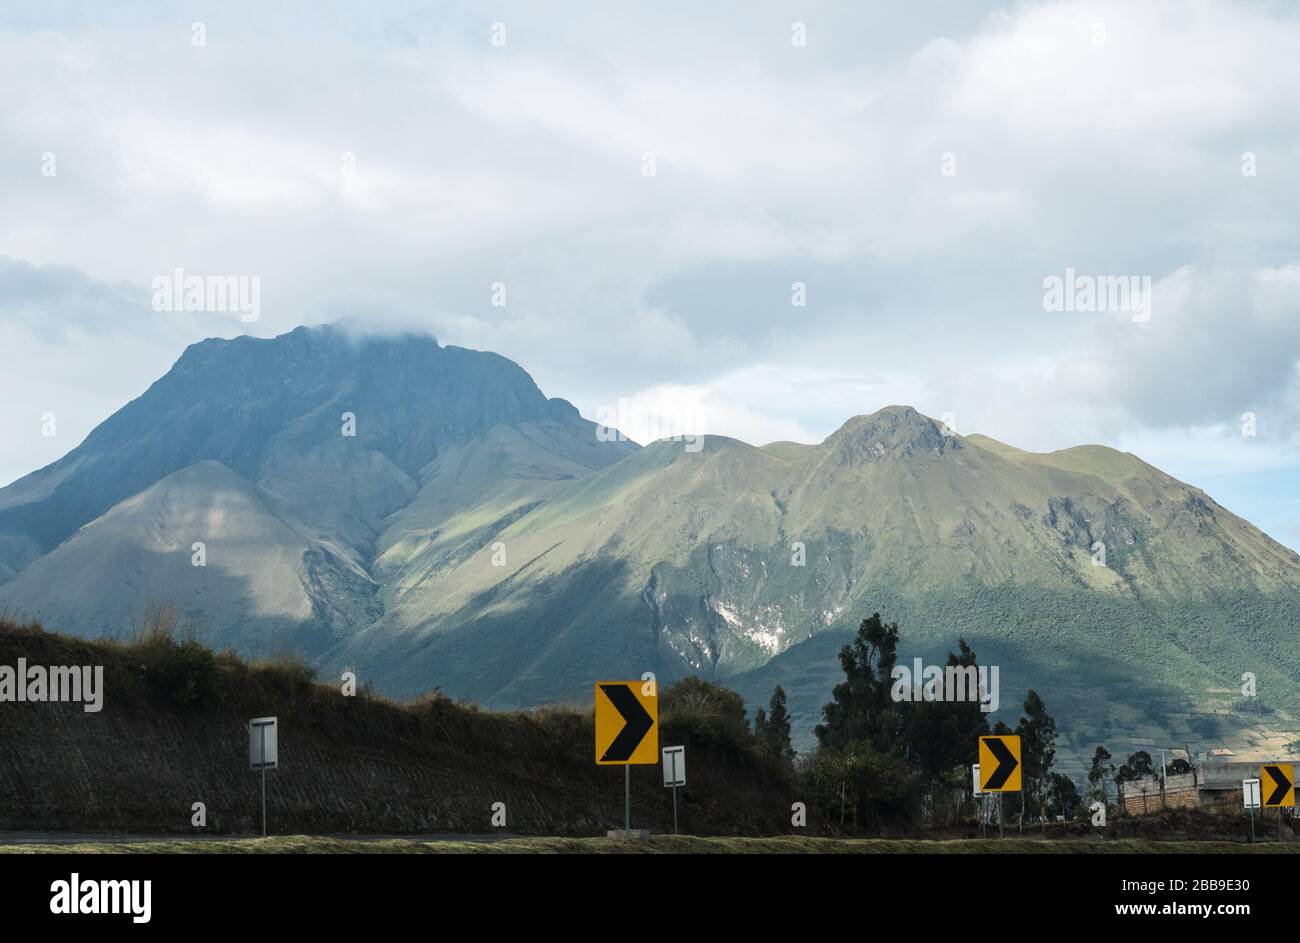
x=662, y=844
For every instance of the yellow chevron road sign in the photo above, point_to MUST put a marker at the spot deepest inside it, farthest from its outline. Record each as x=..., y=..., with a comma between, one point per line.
x=627, y=723
x=1000, y=763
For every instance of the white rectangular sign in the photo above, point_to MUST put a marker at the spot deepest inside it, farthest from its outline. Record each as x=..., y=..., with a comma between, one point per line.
x=263, y=743
x=975, y=775
x=1250, y=793
x=674, y=766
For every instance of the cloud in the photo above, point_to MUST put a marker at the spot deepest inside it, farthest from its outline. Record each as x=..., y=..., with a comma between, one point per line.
x=391, y=165
x=53, y=301
x=671, y=411
x=1218, y=343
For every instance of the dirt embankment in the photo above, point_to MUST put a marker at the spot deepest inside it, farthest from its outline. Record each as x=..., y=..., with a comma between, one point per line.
x=172, y=733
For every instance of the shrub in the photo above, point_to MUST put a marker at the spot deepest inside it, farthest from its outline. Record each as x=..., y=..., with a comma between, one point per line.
x=709, y=712
x=286, y=669
x=185, y=672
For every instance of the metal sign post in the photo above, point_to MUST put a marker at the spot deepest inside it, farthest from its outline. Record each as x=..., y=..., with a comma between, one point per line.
x=674, y=774
x=1250, y=799
x=263, y=752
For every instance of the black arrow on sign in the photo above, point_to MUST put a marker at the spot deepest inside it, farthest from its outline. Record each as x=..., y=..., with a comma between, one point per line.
x=1283, y=785
x=1006, y=764
x=636, y=722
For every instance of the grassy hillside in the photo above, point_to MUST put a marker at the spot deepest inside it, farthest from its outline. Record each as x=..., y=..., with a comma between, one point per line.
x=172, y=733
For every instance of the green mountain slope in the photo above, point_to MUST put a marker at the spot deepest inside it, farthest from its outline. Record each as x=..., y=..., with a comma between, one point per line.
x=265, y=583
x=686, y=562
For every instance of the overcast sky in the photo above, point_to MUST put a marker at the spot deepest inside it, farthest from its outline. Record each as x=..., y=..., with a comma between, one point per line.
x=920, y=168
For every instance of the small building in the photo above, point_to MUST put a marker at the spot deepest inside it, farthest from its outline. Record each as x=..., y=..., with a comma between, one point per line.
x=1213, y=785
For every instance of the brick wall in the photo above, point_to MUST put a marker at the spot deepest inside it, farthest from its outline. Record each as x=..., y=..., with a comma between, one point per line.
x=1146, y=796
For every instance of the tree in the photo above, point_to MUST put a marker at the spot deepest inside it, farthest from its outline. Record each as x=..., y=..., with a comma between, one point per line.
x=941, y=735
x=1102, y=769
x=861, y=710
x=1037, y=732
x=1138, y=766
x=773, y=726
x=861, y=787
x=860, y=740
x=1063, y=796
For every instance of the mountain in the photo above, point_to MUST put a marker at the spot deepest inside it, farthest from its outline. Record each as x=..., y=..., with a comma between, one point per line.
x=476, y=536
x=244, y=446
